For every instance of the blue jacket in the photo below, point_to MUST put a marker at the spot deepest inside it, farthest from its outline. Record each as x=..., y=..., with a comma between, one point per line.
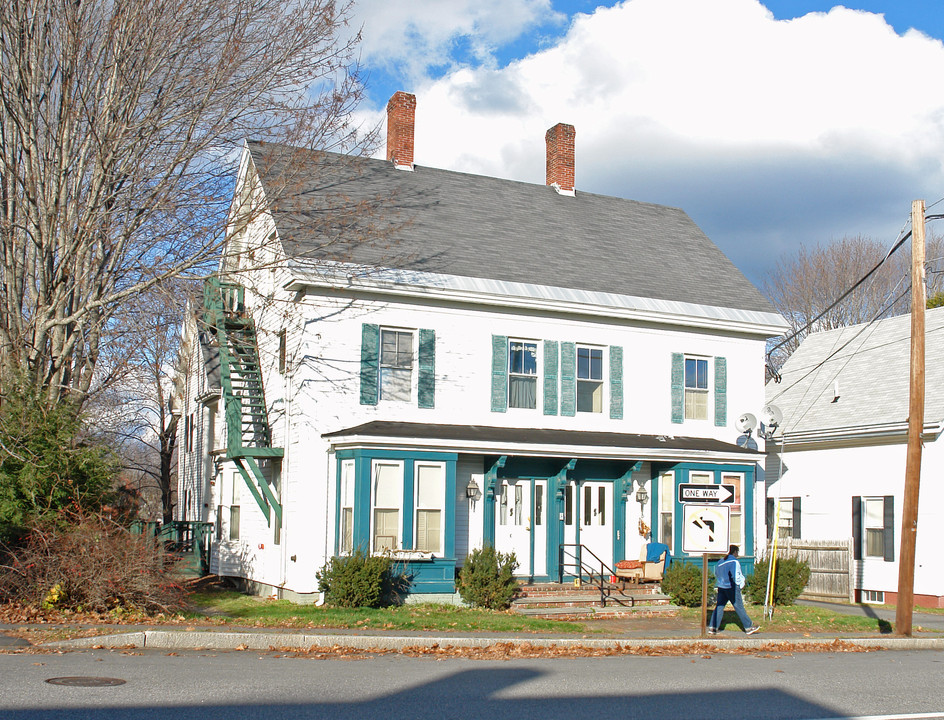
x=728, y=573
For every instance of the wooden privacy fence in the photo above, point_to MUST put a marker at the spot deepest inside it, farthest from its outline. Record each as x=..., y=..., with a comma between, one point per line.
x=831, y=567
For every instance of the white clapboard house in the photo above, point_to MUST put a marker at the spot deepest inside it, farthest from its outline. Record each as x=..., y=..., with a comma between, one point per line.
x=416, y=361
x=837, y=461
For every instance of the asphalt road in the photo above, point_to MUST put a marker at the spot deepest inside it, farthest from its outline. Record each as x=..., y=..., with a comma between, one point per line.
x=235, y=685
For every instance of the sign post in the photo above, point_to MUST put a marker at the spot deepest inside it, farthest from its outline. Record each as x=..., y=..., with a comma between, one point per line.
x=705, y=530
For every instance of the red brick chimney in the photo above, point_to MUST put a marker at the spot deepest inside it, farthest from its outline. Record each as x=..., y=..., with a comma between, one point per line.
x=401, y=113
x=560, y=158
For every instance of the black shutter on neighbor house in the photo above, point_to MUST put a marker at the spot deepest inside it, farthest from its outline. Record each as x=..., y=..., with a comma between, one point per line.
x=769, y=518
x=888, y=525
x=796, y=517
x=857, y=527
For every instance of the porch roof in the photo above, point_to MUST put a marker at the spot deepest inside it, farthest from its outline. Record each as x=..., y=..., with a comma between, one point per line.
x=538, y=442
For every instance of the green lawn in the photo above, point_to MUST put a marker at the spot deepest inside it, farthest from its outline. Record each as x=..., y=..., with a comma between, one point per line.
x=233, y=607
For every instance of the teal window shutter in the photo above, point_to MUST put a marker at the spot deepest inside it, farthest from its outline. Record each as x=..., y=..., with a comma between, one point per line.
x=551, y=355
x=678, y=389
x=426, y=379
x=721, y=392
x=616, y=382
x=568, y=381
x=499, y=373
x=370, y=363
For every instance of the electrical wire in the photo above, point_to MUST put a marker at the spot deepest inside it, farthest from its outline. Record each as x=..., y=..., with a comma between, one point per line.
x=902, y=239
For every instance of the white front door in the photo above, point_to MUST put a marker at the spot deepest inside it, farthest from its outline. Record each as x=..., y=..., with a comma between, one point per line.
x=596, y=519
x=513, y=522
x=589, y=505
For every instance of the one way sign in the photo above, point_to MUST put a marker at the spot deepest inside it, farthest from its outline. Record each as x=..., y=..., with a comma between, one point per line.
x=695, y=493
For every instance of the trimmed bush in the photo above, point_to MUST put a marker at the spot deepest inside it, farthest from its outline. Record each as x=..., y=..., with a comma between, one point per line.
x=360, y=580
x=486, y=579
x=682, y=582
x=791, y=578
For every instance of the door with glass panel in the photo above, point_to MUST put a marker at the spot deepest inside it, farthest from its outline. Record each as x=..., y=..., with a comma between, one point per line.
x=596, y=520
x=588, y=506
x=521, y=524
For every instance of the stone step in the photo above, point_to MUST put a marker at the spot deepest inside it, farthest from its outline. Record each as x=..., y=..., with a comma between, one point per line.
x=585, y=613
x=587, y=600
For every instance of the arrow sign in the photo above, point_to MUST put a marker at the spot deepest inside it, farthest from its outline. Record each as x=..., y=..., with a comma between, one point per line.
x=705, y=528
x=695, y=493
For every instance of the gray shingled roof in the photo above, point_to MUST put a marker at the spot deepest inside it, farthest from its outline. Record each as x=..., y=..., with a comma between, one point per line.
x=871, y=364
x=454, y=223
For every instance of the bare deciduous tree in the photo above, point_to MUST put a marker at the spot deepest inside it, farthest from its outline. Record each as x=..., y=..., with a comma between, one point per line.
x=804, y=285
x=119, y=123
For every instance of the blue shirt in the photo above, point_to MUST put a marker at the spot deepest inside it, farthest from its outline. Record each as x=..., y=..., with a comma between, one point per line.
x=727, y=572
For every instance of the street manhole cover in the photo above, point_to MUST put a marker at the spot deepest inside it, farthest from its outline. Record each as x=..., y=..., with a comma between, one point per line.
x=86, y=681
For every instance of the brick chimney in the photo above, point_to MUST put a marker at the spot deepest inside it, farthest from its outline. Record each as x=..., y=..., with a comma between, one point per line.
x=401, y=113
x=560, y=158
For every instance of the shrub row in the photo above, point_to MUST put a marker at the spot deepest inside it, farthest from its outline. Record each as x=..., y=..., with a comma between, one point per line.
x=682, y=582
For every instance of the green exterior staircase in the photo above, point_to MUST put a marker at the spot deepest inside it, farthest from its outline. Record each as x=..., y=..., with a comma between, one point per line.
x=249, y=436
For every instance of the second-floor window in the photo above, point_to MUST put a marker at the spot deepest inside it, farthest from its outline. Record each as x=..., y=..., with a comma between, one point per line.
x=522, y=374
x=589, y=379
x=696, y=389
x=396, y=365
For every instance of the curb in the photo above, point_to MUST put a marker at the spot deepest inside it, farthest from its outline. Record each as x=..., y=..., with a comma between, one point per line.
x=177, y=640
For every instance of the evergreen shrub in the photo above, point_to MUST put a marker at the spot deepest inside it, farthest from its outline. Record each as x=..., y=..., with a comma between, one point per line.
x=486, y=580
x=791, y=578
x=360, y=580
x=682, y=582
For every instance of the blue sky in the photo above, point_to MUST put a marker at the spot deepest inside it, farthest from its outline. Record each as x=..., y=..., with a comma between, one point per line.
x=771, y=123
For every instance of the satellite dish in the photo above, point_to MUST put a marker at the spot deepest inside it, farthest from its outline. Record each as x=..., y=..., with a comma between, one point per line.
x=771, y=416
x=746, y=423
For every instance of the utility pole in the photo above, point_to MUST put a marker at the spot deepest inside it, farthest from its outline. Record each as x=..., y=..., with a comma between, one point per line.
x=909, y=514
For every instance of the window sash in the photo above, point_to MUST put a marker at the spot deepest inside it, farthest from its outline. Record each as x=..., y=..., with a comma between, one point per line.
x=428, y=531
x=696, y=374
x=589, y=396
x=234, y=522
x=589, y=363
x=347, y=530
x=396, y=348
x=386, y=529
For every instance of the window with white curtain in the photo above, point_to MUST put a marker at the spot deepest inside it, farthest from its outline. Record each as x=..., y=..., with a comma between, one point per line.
x=387, y=501
x=522, y=374
x=347, y=507
x=430, y=480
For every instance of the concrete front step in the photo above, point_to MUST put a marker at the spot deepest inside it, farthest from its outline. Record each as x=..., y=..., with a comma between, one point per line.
x=590, y=600
x=585, y=613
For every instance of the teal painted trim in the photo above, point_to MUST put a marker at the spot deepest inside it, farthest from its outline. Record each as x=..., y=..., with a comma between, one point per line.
x=551, y=358
x=499, y=373
x=488, y=497
x=678, y=387
x=721, y=392
x=362, y=483
x=370, y=363
x=449, y=512
x=568, y=379
x=407, y=502
x=556, y=486
x=426, y=378
x=616, y=382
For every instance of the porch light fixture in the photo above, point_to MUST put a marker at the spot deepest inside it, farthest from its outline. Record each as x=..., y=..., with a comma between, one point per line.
x=472, y=489
x=642, y=495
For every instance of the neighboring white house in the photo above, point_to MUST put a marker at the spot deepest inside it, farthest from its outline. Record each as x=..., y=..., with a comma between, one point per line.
x=450, y=360
x=840, y=452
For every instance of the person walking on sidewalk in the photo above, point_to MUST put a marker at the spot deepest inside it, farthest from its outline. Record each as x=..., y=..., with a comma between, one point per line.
x=730, y=581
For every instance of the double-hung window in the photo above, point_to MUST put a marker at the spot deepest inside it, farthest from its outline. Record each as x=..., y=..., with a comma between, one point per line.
x=522, y=374
x=347, y=507
x=589, y=379
x=430, y=501
x=696, y=388
x=396, y=365
x=234, y=507
x=387, y=500
x=874, y=522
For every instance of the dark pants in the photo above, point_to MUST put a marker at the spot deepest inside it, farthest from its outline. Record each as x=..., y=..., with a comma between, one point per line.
x=733, y=596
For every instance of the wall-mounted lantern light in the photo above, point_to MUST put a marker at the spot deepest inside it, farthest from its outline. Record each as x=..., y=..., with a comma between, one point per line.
x=642, y=495
x=472, y=489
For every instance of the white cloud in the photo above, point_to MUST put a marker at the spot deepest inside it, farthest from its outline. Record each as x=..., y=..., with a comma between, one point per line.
x=416, y=35
x=676, y=101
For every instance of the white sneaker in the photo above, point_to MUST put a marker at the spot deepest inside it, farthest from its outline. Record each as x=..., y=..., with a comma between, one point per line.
x=712, y=631
x=752, y=630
